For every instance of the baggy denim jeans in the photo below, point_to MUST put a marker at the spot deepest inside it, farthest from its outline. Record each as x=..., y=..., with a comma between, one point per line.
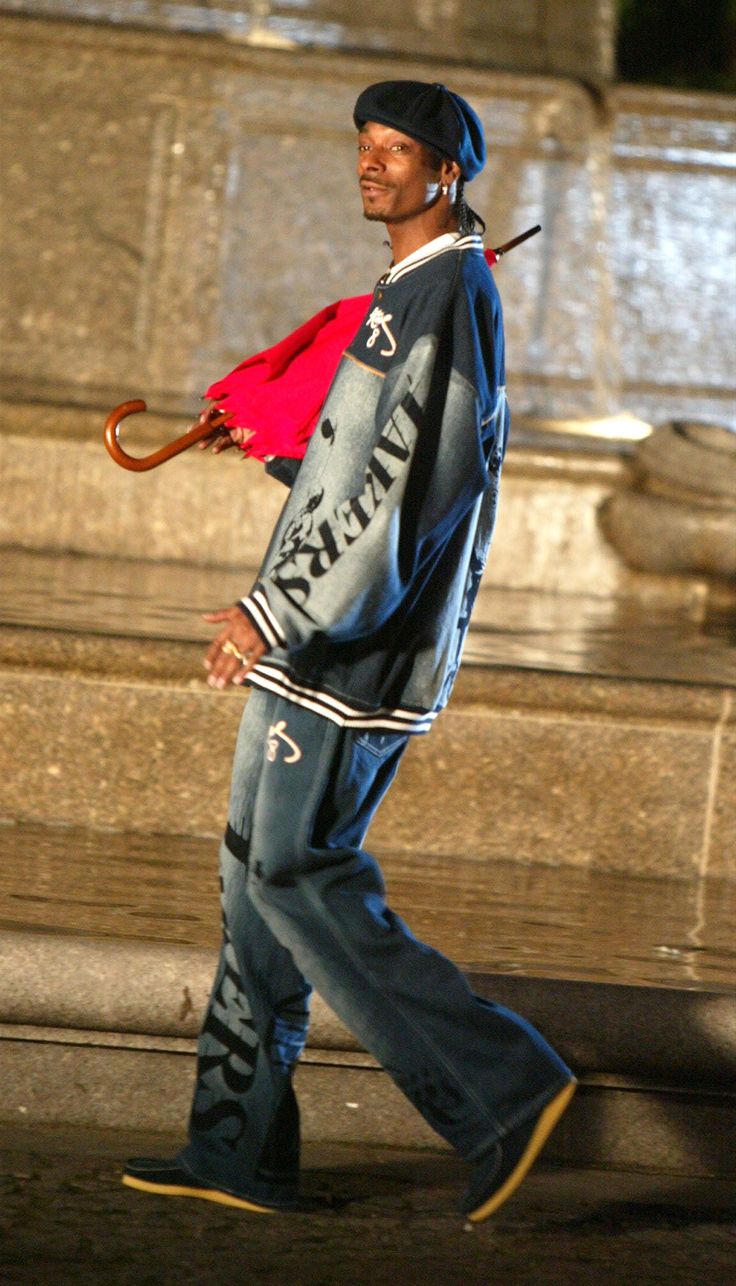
x=304, y=906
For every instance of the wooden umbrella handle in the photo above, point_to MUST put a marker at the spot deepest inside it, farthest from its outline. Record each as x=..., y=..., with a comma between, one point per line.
x=139, y=464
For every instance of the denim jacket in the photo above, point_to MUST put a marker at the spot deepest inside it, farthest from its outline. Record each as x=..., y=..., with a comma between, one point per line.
x=365, y=592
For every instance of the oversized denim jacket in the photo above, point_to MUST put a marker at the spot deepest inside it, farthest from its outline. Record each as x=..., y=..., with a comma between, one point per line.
x=365, y=592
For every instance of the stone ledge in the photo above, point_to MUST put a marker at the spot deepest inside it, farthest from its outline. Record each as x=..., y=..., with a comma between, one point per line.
x=566, y=768
x=568, y=37
x=149, y=135
x=667, y=1037
x=204, y=511
x=120, y=988
x=80, y=613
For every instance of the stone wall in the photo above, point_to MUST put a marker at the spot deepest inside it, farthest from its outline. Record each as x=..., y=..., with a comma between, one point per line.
x=568, y=37
x=175, y=202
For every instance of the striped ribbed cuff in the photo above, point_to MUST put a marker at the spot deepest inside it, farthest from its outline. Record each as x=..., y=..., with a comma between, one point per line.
x=262, y=619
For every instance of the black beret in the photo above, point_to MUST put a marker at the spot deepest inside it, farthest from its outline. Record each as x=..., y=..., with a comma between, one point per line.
x=432, y=114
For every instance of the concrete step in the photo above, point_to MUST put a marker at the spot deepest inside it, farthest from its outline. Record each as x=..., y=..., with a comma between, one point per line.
x=523, y=767
x=573, y=725
x=657, y=1064
x=532, y=629
x=108, y=948
x=63, y=1077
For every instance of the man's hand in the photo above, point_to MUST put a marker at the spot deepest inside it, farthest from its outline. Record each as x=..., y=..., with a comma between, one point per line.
x=222, y=436
x=236, y=649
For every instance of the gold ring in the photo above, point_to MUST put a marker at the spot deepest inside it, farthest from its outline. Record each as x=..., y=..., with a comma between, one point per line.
x=231, y=650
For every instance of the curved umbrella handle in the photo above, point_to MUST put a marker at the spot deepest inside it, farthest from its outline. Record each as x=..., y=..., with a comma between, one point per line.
x=139, y=464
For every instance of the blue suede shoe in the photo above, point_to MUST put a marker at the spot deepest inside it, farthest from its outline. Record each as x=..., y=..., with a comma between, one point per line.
x=499, y=1173
x=169, y=1179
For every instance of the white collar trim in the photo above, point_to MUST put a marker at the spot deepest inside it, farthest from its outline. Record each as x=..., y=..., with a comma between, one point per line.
x=447, y=241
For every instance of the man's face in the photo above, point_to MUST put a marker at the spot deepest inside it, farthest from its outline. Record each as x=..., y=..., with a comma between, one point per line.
x=399, y=177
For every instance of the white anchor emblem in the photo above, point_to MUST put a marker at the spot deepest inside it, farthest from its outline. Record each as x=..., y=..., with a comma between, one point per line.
x=277, y=732
x=379, y=323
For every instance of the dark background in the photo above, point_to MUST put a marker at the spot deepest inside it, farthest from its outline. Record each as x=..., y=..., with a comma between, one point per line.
x=688, y=44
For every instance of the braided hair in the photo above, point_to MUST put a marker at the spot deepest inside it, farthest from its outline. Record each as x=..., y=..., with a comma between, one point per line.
x=466, y=216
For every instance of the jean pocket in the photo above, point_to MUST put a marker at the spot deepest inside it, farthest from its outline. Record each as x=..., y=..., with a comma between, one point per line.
x=380, y=743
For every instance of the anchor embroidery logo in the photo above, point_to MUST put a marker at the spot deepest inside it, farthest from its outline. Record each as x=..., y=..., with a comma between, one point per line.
x=277, y=733
x=379, y=324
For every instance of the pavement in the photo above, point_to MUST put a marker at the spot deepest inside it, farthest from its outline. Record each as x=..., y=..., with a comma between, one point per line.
x=374, y=1217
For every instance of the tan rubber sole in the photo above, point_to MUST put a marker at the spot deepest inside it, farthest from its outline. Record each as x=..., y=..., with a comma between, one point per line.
x=204, y=1194
x=542, y=1130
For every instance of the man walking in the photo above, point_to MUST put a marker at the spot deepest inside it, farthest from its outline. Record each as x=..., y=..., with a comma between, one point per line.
x=351, y=639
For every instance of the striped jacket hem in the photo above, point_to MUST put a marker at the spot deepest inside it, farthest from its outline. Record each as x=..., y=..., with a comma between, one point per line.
x=273, y=679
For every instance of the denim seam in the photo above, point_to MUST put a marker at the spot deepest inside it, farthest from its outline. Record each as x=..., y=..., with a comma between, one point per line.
x=383, y=753
x=360, y=965
x=531, y=1109
x=309, y=812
